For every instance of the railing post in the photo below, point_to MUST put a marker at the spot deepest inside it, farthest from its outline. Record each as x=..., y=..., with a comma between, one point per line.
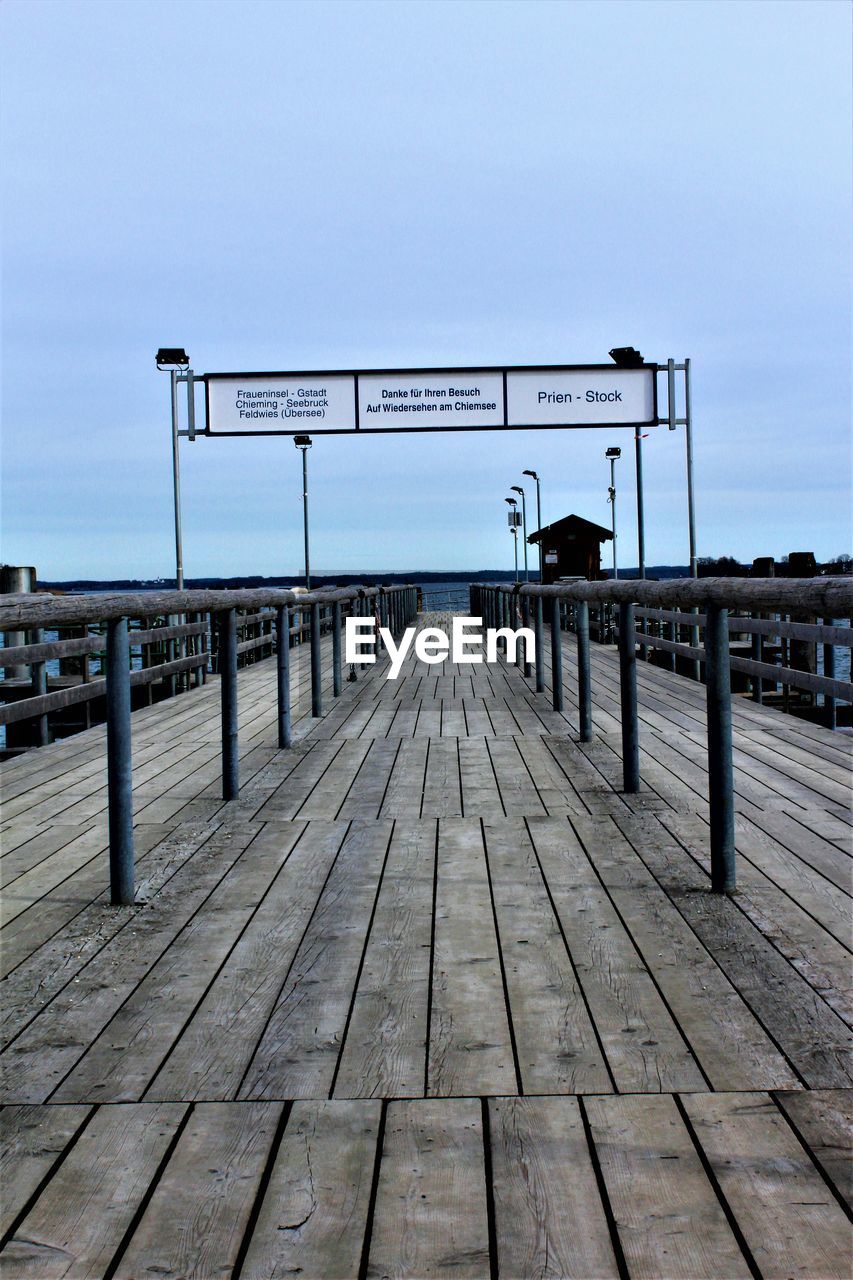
x=525, y=622
x=756, y=653
x=228, y=703
x=282, y=662
x=538, y=632
x=119, y=764
x=336, y=649
x=628, y=691
x=556, y=656
x=39, y=676
x=720, y=771
x=316, y=692
x=671, y=637
x=584, y=681
x=829, y=671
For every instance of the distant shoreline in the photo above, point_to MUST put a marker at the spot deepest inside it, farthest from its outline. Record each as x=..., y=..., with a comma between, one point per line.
x=372, y=577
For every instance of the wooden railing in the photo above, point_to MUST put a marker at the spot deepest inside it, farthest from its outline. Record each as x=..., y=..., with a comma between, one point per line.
x=701, y=605
x=302, y=616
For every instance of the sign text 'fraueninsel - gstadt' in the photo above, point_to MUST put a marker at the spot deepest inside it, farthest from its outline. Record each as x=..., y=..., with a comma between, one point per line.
x=430, y=400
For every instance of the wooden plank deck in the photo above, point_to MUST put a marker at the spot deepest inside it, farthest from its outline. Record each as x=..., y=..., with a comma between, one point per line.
x=433, y=997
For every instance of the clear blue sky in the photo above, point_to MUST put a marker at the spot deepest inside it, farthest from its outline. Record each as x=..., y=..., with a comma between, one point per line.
x=289, y=185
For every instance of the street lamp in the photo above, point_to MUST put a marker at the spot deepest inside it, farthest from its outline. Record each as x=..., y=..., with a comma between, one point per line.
x=613, y=453
x=516, y=488
x=173, y=359
x=513, y=519
x=535, y=477
x=630, y=358
x=304, y=443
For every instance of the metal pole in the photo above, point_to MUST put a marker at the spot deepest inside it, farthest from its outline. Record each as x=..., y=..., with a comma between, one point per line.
x=176, y=485
x=119, y=764
x=720, y=769
x=641, y=529
x=831, y=714
x=282, y=654
x=539, y=522
x=613, y=513
x=337, y=672
x=525, y=622
x=316, y=692
x=584, y=681
x=688, y=433
x=538, y=632
x=515, y=548
x=628, y=691
x=556, y=656
x=524, y=532
x=305, y=516
x=228, y=703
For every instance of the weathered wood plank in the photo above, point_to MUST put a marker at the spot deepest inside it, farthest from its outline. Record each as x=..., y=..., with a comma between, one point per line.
x=31, y=1141
x=792, y=1223
x=430, y=1218
x=470, y=1049
x=549, y=1219
x=669, y=1220
x=195, y=1221
x=79, y=1220
x=824, y=1120
x=314, y=1214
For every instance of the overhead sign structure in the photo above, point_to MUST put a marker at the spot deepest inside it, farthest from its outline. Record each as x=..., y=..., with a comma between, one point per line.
x=522, y=398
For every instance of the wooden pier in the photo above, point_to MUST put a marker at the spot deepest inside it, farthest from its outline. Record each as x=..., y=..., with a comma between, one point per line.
x=434, y=996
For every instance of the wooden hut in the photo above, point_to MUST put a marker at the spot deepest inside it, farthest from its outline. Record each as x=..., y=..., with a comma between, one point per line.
x=571, y=548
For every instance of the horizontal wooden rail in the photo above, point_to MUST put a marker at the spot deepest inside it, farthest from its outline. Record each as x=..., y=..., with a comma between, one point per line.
x=665, y=602
x=397, y=605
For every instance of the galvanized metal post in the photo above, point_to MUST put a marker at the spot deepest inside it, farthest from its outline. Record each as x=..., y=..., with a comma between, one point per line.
x=282, y=653
x=556, y=656
x=176, y=485
x=688, y=434
x=228, y=703
x=720, y=769
x=831, y=719
x=584, y=680
x=119, y=764
x=628, y=691
x=337, y=672
x=641, y=519
x=39, y=670
x=538, y=633
x=316, y=691
x=756, y=654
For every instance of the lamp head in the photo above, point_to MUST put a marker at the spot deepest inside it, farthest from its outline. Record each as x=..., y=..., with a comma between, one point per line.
x=530, y=473
x=512, y=502
x=626, y=357
x=516, y=488
x=169, y=357
x=613, y=453
x=302, y=442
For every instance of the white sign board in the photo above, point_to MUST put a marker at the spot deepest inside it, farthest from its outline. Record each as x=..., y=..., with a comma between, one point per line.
x=430, y=400
x=280, y=403
x=394, y=400
x=592, y=397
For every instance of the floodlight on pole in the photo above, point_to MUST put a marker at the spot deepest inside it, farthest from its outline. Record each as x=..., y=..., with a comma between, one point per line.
x=533, y=475
x=612, y=455
x=513, y=524
x=516, y=488
x=303, y=443
x=171, y=359
x=630, y=358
